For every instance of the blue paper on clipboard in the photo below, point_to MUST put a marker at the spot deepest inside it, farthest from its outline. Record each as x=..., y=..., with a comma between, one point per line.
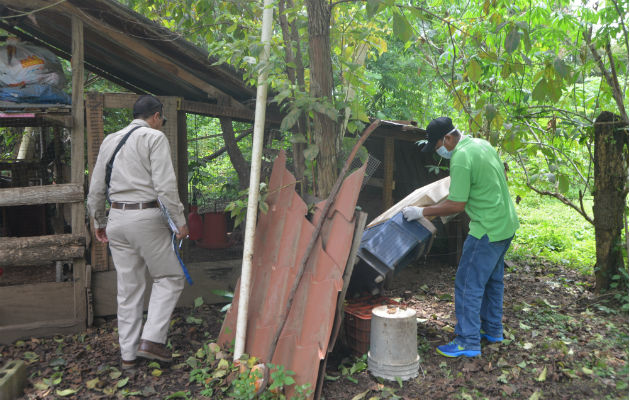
x=176, y=247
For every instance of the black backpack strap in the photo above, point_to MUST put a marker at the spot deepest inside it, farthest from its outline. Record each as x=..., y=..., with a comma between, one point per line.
x=110, y=163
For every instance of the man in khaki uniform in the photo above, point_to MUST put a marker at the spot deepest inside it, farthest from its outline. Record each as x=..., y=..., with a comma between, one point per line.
x=136, y=231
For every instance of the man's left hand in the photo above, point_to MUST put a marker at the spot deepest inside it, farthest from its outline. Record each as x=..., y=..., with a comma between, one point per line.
x=101, y=235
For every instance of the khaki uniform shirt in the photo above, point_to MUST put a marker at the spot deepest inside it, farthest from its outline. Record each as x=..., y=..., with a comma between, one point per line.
x=142, y=172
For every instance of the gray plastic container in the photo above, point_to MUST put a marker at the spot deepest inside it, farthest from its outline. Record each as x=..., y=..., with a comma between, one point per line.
x=393, y=343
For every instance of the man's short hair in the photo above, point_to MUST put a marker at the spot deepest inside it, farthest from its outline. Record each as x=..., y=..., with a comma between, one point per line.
x=146, y=106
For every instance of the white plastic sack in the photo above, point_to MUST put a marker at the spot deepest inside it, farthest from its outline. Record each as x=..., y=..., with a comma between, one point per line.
x=24, y=64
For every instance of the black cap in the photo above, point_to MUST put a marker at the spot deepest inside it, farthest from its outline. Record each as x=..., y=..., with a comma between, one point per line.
x=148, y=105
x=436, y=130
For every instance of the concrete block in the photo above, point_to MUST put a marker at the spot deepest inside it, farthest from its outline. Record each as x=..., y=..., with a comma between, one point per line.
x=12, y=379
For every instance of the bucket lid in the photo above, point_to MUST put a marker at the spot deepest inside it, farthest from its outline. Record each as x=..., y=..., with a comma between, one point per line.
x=393, y=312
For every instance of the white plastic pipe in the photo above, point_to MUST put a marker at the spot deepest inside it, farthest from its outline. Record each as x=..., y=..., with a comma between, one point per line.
x=254, y=182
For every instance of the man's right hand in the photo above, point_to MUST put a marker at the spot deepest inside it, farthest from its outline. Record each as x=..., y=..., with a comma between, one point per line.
x=412, y=213
x=101, y=235
x=183, y=232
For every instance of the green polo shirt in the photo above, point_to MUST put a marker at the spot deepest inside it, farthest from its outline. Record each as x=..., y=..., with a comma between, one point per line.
x=478, y=178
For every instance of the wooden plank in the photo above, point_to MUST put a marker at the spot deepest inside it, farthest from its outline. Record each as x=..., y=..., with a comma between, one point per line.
x=47, y=194
x=18, y=251
x=77, y=166
x=119, y=100
x=207, y=276
x=9, y=334
x=24, y=304
x=388, y=165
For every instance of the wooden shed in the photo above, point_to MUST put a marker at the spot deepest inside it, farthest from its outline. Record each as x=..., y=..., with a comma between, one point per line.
x=109, y=39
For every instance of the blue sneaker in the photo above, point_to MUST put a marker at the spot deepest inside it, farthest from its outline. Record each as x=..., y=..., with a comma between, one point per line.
x=491, y=339
x=455, y=350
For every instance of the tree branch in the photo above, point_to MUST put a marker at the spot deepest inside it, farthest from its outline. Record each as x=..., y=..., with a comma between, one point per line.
x=557, y=195
x=617, y=95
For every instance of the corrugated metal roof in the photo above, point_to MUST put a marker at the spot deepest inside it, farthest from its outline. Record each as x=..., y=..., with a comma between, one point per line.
x=127, y=48
x=282, y=236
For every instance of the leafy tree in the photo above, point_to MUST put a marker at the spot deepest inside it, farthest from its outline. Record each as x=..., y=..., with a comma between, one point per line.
x=531, y=77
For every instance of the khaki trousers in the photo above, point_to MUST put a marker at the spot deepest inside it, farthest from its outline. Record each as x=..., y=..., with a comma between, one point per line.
x=140, y=240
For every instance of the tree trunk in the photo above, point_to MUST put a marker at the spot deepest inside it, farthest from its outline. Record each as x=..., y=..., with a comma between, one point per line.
x=611, y=189
x=236, y=156
x=291, y=34
x=324, y=129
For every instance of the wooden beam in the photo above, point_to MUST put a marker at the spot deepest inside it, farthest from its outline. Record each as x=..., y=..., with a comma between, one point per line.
x=47, y=194
x=215, y=110
x=9, y=334
x=17, y=251
x=221, y=275
x=412, y=135
x=77, y=167
x=119, y=100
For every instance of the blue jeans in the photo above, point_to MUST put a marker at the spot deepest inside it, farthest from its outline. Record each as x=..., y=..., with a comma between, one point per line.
x=479, y=290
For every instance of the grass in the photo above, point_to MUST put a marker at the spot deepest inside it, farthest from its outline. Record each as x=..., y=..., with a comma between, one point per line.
x=554, y=232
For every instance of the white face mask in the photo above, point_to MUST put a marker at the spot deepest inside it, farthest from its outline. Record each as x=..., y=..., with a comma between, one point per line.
x=442, y=152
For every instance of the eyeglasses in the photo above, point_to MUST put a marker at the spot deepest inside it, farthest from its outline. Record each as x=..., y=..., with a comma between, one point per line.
x=163, y=118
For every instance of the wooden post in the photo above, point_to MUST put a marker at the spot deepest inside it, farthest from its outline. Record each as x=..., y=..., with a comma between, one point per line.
x=78, y=164
x=182, y=167
x=388, y=165
x=95, y=135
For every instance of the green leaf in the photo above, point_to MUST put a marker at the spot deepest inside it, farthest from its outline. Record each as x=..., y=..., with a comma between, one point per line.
x=92, y=383
x=30, y=356
x=193, y=320
x=540, y=91
x=563, y=183
x=402, y=28
x=153, y=364
x=372, y=7
x=290, y=119
x=527, y=41
x=115, y=374
x=176, y=395
x=298, y=138
x=361, y=395
x=561, y=68
x=474, y=70
x=198, y=302
x=311, y=152
x=122, y=382
x=156, y=372
x=491, y=111
x=543, y=375
x=66, y=392
x=512, y=39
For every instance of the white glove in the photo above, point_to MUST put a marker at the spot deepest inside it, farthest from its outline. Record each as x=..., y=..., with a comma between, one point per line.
x=412, y=213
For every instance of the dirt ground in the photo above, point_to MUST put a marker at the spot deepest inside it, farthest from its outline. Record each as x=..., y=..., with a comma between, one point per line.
x=562, y=342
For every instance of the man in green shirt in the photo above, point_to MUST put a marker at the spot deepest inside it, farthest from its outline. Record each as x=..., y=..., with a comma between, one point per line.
x=479, y=187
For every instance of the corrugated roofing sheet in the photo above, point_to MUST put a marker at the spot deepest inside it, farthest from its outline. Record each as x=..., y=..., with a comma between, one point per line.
x=282, y=236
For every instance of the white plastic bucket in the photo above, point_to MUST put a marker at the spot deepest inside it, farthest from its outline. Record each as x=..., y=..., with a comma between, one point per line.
x=393, y=343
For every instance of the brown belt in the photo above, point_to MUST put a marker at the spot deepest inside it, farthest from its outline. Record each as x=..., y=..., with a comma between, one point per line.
x=135, y=206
